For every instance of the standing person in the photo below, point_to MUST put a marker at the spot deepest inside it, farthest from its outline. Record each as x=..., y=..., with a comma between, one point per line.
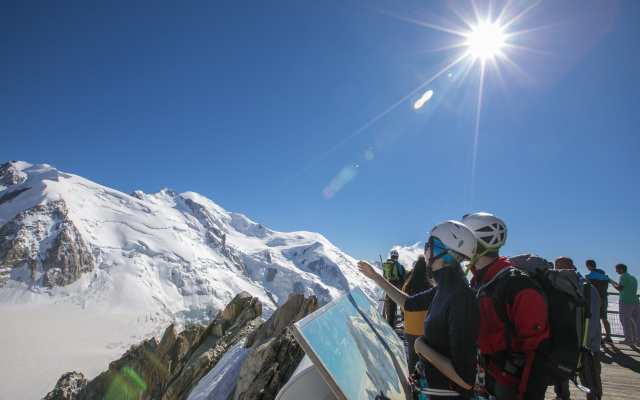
x=600, y=281
x=591, y=368
x=518, y=370
x=417, y=282
x=629, y=305
x=448, y=348
x=394, y=272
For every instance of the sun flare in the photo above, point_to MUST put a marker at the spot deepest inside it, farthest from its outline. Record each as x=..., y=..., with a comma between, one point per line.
x=485, y=40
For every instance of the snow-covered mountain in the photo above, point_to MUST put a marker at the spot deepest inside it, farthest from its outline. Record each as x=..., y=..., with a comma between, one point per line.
x=83, y=259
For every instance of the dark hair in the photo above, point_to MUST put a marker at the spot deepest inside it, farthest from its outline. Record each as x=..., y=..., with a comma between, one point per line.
x=420, y=280
x=590, y=263
x=565, y=260
x=622, y=267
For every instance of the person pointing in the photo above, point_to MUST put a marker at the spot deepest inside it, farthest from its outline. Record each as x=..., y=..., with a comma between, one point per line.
x=448, y=348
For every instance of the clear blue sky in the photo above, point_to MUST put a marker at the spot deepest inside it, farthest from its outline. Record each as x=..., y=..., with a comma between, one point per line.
x=260, y=106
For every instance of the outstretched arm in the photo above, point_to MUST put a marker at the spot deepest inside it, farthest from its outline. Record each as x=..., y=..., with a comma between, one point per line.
x=617, y=286
x=444, y=364
x=396, y=295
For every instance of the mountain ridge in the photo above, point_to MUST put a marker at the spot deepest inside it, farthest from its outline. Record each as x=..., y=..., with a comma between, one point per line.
x=108, y=221
x=157, y=259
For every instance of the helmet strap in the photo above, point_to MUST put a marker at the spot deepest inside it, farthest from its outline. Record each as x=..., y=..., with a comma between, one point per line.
x=479, y=254
x=433, y=259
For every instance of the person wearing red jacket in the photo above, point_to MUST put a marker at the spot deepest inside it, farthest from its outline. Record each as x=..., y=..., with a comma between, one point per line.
x=515, y=370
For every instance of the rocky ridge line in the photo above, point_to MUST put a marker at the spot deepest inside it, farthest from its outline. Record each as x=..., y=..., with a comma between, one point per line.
x=171, y=368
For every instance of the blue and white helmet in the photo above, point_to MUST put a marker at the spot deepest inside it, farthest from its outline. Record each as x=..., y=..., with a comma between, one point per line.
x=394, y=253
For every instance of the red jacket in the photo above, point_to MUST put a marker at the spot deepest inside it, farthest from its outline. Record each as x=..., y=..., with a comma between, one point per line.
x=528, y=316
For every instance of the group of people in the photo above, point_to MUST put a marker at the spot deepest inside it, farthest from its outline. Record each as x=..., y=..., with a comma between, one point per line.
x=462, y=333
x=628, y=304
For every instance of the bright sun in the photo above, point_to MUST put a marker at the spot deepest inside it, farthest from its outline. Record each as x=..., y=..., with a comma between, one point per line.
x=485, y=40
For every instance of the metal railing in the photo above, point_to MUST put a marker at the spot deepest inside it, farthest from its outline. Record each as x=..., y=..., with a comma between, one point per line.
x=613, y=316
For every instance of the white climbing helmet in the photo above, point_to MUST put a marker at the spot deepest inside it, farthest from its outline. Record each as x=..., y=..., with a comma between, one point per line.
x=394, y=253
x=457, y=238
x=490, y=230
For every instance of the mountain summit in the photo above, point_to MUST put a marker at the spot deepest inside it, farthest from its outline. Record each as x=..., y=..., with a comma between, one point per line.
x=148, y=260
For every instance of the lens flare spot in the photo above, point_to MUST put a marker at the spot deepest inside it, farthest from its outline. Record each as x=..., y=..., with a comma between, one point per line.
x=336, y=184
x=347, y=173
x=425, y=97
x=368, y=155
x=328, y=193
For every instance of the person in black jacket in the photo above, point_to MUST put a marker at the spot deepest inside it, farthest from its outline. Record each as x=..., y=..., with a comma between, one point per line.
x=448, y=348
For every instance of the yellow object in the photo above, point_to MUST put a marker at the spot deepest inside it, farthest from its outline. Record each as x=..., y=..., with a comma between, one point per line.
x=414, y=322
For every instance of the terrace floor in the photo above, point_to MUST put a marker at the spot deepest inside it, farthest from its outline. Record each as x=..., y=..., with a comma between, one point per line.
x=620, y=374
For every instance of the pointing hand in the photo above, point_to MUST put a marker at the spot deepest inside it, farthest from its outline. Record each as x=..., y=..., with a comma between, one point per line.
x=366, y=269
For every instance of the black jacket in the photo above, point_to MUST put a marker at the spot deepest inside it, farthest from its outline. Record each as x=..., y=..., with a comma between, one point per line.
x=451, y=326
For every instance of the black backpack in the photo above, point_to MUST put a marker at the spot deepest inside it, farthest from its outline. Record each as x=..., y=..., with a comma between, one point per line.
x=568, y=312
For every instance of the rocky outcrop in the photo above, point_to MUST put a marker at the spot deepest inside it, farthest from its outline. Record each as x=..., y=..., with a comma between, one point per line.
x=43, y=238
x=12, y=194
x=270, y=364
x=295, y=308
x=67, y=387
x=275, y=354
x=10, y=175
x=67, y=258
x=171, y=368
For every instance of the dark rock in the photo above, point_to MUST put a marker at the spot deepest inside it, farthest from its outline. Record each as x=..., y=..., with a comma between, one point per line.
x=274, y=362
x=274, y=352
x=10, y=175
x=170, y=369
x=12, y=194
x=294, y=309
x=67, y=386
x=67, y=258
x=64, y=262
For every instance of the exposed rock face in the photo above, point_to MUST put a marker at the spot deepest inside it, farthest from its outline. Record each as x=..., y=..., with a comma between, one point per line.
x=138, y=194
x=67, y=387
x=275, y=354
x=296, y=308
x=12, y=194
x=171, y=368
x=10, y=175
x=270, y=364
x=44, y=236
x=236, y=322
x=67, y=258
